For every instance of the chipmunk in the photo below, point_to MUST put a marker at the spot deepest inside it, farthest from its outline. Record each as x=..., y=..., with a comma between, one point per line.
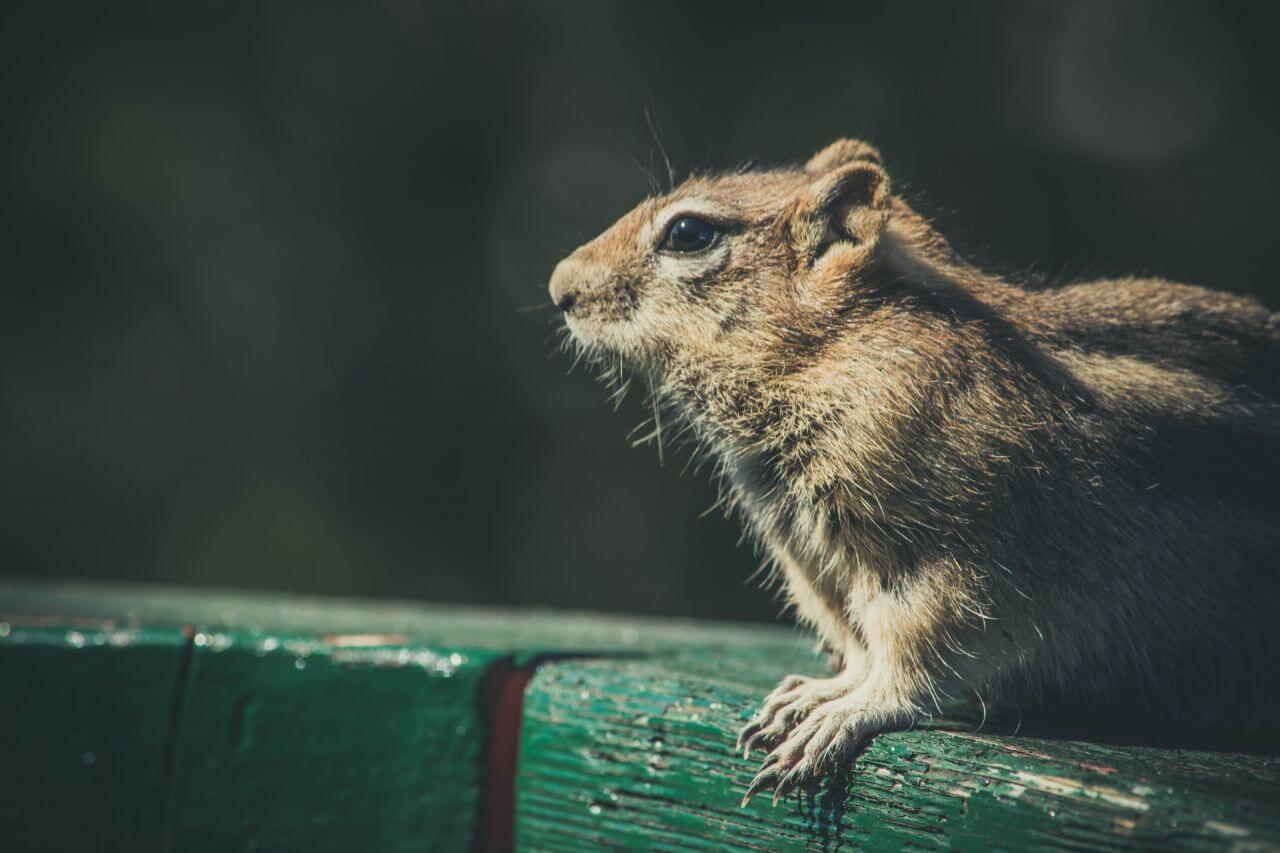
x=973, y=489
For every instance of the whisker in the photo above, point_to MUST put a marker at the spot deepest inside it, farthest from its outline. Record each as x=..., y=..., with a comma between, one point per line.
x=541, y=306
x=651, y=119
x=648, y=173
x=657, y=418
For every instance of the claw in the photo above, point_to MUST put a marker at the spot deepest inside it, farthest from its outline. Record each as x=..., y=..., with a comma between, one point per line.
x=804, y=733
x=748, y=730
x=757, y=740
x=788, y=782
x=759, y=783
x=765, y=777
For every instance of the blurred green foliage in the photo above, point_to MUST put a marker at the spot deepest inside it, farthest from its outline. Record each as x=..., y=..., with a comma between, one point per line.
x=266, y=263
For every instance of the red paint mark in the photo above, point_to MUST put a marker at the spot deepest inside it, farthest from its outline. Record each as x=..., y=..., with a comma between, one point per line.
x=502, y=704
x=357, y=641
x=1098, y=768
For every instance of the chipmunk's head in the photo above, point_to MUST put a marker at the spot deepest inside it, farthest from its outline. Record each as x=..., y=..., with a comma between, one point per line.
x=733, y=265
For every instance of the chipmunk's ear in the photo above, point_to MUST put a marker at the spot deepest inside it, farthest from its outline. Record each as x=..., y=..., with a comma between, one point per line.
x=846, y=202
x=840, y=152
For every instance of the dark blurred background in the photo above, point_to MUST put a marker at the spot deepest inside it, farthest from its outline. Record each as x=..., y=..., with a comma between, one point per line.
x=266, y=266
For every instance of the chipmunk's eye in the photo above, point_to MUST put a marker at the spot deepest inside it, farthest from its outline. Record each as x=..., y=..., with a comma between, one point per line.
x=689, y=234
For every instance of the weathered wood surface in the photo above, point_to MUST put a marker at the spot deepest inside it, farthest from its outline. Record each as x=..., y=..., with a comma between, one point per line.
x=338, y=743
x=640, y=753
x=223, y=721
x=118, y=737
x=84, y=726
x=524, y=633
x=218, y=721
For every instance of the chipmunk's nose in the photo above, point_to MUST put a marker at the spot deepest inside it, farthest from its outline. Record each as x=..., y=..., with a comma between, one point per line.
x=566, y=283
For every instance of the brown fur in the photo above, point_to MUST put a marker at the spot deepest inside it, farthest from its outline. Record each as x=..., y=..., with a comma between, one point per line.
x=972, y=490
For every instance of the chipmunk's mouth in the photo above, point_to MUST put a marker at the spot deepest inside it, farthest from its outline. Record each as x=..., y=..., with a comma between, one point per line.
x=594, y=318
x=608, y=335
x=591, y=330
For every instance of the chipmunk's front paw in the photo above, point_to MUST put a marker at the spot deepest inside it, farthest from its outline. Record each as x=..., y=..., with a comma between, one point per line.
x=789, y=703
x=830, y=733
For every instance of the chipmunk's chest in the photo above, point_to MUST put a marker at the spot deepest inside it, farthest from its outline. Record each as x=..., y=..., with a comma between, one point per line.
x=781, y=505
x=797, y=532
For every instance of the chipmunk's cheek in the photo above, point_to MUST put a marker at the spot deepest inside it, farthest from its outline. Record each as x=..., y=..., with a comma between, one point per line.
x=693, y=270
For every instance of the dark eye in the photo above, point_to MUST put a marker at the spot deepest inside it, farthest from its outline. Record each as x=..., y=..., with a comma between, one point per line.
x=689, y=234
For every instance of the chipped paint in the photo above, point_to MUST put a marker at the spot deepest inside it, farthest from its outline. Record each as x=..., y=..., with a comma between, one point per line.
x=1063, y=786
x=1230, y=830
x=433, y=663
x=648, y=746
x=919, y=789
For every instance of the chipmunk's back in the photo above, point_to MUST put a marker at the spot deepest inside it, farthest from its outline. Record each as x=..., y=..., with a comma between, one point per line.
x=1195, y=374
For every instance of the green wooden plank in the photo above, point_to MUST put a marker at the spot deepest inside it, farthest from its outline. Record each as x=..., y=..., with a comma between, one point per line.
x=319, y=739
x=526, y=634
x=86, y=710
x=321, y=724
x=313, y=724
x=631, y=753
x=344, y=743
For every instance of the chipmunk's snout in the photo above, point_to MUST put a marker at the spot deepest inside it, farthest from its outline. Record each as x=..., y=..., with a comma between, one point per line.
x=569, y=281
x=566, y=302
x=564, y=285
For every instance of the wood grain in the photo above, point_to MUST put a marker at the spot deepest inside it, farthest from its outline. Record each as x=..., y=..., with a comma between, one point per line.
x=147, y=719
x=639, y=754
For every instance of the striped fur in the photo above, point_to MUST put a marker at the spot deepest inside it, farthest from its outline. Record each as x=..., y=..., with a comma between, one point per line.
x=978, y=494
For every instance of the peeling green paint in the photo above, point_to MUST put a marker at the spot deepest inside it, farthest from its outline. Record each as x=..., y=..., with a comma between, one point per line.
x=146, y=719
x=640, y=753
